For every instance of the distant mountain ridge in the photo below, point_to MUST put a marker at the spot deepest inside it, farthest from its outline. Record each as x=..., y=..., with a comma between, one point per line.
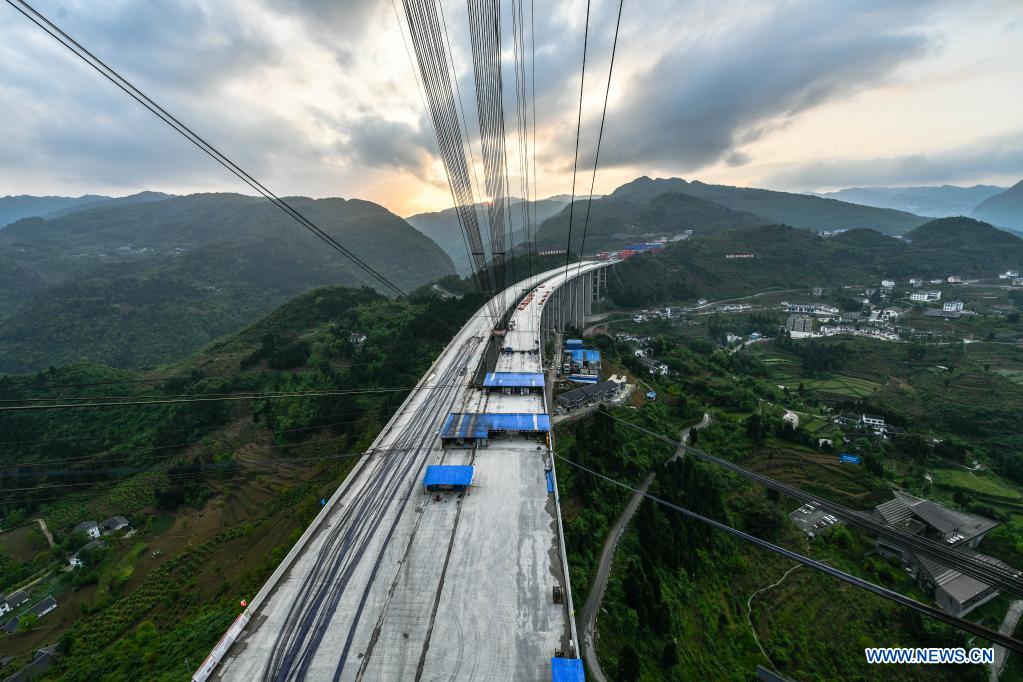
x=935, y=201
x=1004, y=209
x=616, y=220
x=648, y=208
x=130, y=200
x=798, y=210
x=13, y=209
x=135, y=285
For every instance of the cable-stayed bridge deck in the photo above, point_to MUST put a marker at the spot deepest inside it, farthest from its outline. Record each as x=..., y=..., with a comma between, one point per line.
x=394, y=582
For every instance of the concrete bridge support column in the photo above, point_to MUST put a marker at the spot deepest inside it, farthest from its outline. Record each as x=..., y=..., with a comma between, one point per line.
x=573, y=302
x=590, y=290
x=559, y=310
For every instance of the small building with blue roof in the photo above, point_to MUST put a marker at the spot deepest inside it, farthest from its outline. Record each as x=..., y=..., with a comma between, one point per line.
x=466, y=429
x=514, y=383
x=447, y=477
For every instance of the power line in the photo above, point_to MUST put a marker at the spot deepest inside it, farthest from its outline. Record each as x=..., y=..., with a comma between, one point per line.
x=119, y=455
x=196, y=378
x=578, y=128
x=114, y=77
x=600, y=135
x=960, y=623
x=214, y=398
x=243, y=470
x=1007, y=579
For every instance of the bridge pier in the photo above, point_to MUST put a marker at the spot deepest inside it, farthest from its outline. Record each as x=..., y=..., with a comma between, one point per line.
x=571, y=304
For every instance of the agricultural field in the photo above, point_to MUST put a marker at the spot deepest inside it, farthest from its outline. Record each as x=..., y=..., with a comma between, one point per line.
x=816, y=472
x=786, y=372
x=982, y=482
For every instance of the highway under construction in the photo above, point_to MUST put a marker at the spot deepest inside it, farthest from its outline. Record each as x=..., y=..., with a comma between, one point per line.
x=395, y=581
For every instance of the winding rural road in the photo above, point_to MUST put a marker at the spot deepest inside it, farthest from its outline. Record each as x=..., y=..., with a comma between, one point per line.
x=588, y=617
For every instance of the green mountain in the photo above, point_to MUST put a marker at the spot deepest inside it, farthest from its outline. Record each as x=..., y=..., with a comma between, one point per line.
x=14, y=208
x=144, y=284
x=788, y=258
x=619, y=219
x=937, y=201
x=1004, y=209
x=443, y=228
x=799, y=210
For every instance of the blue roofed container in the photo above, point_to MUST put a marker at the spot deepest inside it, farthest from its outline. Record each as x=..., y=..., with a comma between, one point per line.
x=567, y=670
x=513, y=380
x=447, y=477
x=463, y=428
x=573, y=343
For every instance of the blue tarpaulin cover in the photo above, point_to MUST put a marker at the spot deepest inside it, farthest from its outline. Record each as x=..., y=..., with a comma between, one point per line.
x=849, y=459
x=567, y=670
x=480, y=425
x=513, y=379
x=550, y=481
x=574, y=343
x=446, y=474
x=584, y=378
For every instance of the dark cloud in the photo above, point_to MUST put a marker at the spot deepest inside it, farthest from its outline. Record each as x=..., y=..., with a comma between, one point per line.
x=699, y=103
x=376, y=142
x=171, y=44
x=337, y=25
x=998, y=156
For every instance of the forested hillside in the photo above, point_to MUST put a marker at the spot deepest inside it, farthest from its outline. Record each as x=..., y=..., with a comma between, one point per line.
x=785, y=257
x=140, y=285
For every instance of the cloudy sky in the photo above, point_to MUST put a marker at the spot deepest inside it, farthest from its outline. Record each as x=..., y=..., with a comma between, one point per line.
x=318, y=97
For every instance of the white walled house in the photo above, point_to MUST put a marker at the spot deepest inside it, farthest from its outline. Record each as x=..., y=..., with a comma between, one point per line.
x=952, y=306
x=90, y=528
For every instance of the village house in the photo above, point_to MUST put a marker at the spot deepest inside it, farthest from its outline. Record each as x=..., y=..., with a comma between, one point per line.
x=873, y=422
x=90, y=528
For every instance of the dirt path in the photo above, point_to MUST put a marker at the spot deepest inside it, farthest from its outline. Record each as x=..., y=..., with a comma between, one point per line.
x=588, y=616
x=46, y=531
x=1008, y=626
x=749, y=611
